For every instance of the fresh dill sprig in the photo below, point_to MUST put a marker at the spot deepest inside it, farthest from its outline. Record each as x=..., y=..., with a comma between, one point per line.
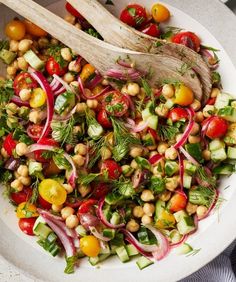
x=147, y=88
x=167, y=132
x=193, y=252
x=123, y=186
x=35, y=191
x=95, y=150
x=86, y=179
x=202, y=174
x=6, y=91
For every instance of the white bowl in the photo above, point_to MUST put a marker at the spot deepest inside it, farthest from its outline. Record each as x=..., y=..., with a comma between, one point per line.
x=215, y=233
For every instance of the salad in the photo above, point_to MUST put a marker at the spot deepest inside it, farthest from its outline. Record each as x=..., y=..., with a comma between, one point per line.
x=99, y=166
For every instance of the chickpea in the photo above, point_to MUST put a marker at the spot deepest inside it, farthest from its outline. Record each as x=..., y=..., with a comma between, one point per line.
x=201, y=211
x=77, y=129
x=14, y=45
x=105, y=82
x=134, y=164
x=36, y=116
x=194, y=139
x=21, y=149
x=68, y=77
x=165, y=196
x=92, y=104
x=25, y=94
x=136, y=151
x=78, y=25
x=207, y=111
x=75, y=86
x=206, y=155
x=74, y=66
x=66, y=54
x=11, y=109
x=132, y=226
x=22, y=64
x=195, y=129
x=105, y=153
x=11, y=70
x=70, y=19
x=146, y=219
x=138, y=211
x=56, y=208
x=147, y=195
x=162, y=110
x=81, y=107
x=72, y=221
x=84, y=190
x=54, y=41
x=43, y=42
x=196, y=105
x=16, y=174
x=199, y=117
x=66, y=212
x=80, y=149
x=17, y=185
x=26, y=181
x=24, y=45
x=171, y=153
x=168, y=91
x=158, y=171
x=215, y=92
x=153, y=153
x=131, y=89
x=4, y=153
x=148, y=209
x=178, y=137
x=162, y=147
x=23, y=170
x=69, y=189
x=191, y=208
x=78, y=160
x=172, y=183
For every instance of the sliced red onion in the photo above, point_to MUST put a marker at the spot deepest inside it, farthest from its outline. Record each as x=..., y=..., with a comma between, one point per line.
x=153, y=133
x=140, y=177
x=163, y=244
x=76, y=242
x=42, y=81
x=181, y=171
x=136, y=128
x=95, y=81
x=214, y=201
x=146, y=254
x=182, y=240
x=86, y=156
x=127, y=74
x=131, y=104
x=59, y=91
x=64, y=118
x=155, y=159
x=188, y=129
x=125, y=64
x=17, y=100
x=52, y=216
x=103, y=219
x=88, y=220
x=205, y=127
x=12, y=164
x=66, y=85
x=55, y=84
x=208, y=56
x=188, y=156
x=98, y=235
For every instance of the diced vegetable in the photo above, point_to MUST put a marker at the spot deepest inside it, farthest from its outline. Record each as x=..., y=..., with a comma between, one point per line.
x=7, y=56
x=122, y=254
x=34, y=60
x=143, y=262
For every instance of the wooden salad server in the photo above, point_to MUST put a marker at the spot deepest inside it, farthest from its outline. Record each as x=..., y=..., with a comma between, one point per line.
x=120, y=34
x=104, y=56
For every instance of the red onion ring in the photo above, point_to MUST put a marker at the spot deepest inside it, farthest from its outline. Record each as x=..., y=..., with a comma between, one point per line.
x=131, y=104
x=183, y=239
x=17, y=100
x=136, y=128
x=188, y=156
x=98, y=235
x=155, y=159
x=95, y=81
x=59, y=91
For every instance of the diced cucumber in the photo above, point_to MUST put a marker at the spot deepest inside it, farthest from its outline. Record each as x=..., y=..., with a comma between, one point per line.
x=143, y=262
x=228, y=113
x=143, y=163
x=185, y=249
x=187, y=181
x=122, y=254
x=7, y=56
x=216, y=144
x=190, y=168
x=148, y=140
x=105, y=249
x=113, y=199
x=224, y=169
x=146, y=113
x=195, y=151
x=131, y=250
x=33, y=60
x=95, y=130
x=80, y=230
x=116, y=242
x=64, y=101
x=109, y=233
x=175, y=236
x=143, y=236
x=186, y=225
x=169, y=103
x=157, y=185
x=218, y=155
x=222, y=100
x=171, y=168
x=115, y=218
x=42, y=230
x=160, y=206
x=153, y=122
x=95, y=260
x=34, y=167
x=201, y=196
x=231, y=153
x=180, y=215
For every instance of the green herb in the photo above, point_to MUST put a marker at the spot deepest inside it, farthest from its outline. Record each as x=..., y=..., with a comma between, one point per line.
x=202, y=174
x=95, y=150
x=20, y=135
x=55, y=52
x=184, y=68
x=193, y=252
x=93, y=32
x=35, y=191
x=5, y=176
x=70, y=264
x=6, y=91
x=87, y=179
x=4, y=44
x=147, y=88
x=109, y=2
x=124, y=187
x=170, y=31
x=61, y=162
x=174, y=82
x=47, y=154
x=167, y=132
x=157, y=185
x=209, y=48
x=216, y=78
x=158, y=44
x=115, y=108
x=132, y=11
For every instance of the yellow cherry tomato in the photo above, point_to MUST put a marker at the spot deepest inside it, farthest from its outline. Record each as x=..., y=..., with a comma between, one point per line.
x=183, y=95
x=160, y=13
x=26, y=210
x=38, y=98
x=86, y=72
x=15, y=29
x=90, y=246
x=52, y=191
x=33, y=29
x=165, y=220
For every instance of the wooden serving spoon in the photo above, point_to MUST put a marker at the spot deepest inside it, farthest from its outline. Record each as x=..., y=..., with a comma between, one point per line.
x=103, y=55
x=119, y=34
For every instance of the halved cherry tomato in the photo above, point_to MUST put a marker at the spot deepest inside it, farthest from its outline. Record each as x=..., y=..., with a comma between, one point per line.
x=73, y=11
x=9, y=144
x=178, y=114
x=177, y=203
x=26, y=225
x=188, y=39
x=152, y=30
x=33, y=29
x=217, y=127
x=38, y=98
x=103, y=119
x=160, y=13
x=90, y=246
x=87, y=71
x=100, y=190
x=183, y=95
x=23, y=81
x=26, y=210
x=52, y=192
x=134, y=15
x=211, y=101
x=22, y=196
x=38, y=154
x=15, y=30
x=111, y=168
x=87, y=206
x=34, y=131
x=51, y=169
x=165, y=220
x=44, y=204
x=53, y=67
x=115, y=103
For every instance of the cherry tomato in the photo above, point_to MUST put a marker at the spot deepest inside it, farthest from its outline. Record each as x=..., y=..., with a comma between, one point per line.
x=87, y=206
x=33, y=29
x=38, y=154
x=211, y=101
x=53, y=67
x=9, y=144
x=152, y=30
x=134, y=15
x=90, y=246
x=183, y=95
x=100, y=190
x=52, y=192
x=26, y=210
x=23, y=81
x=115, y=103
x=34, y=131
x=15, y=30
x=86, y=72
x=51, y=169
x=165, y=220
x=103, y=119
x=160, y=13
x=44, y=204
x=177, y=114
x=22, y=196
x=111, y=168
x=38, y=98
x=26, y=225
x=188, y=39
x=217, y=127
x=73, y=11
x=177, y=203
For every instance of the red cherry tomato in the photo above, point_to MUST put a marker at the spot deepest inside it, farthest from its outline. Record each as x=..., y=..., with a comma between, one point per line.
x=177, y=114
x=188, y=39
x=217, y=127
x=38, y=154
x=26, y=225
x=211, y=101
x=9, y=144
x=134, y=15
x=87, y=206
x=177, y=203
x=111, y=168
x=103, y=119
x=44, y=204
x=100, y=190
x=23, y=81
x=22, y=196
x=73, y=11
x=53, y=67
x=115, y=103
x=34, y=131
x=152, y=30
